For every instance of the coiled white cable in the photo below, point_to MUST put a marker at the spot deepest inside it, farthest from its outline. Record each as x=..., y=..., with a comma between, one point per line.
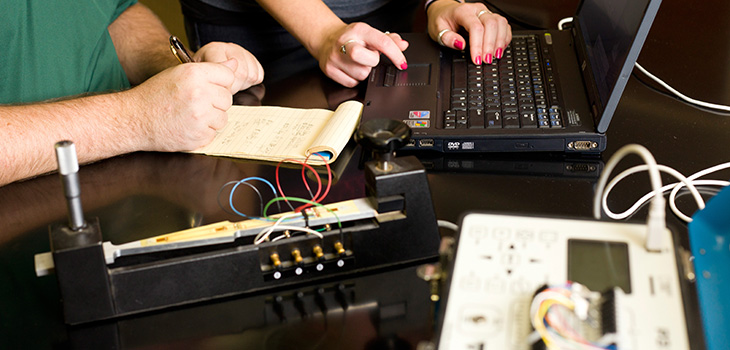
x=690, y=182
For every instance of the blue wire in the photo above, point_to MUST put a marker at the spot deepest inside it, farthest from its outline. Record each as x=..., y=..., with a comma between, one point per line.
x=230, y=196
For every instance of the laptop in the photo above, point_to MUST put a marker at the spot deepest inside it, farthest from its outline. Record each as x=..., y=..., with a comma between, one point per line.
x=552, y=91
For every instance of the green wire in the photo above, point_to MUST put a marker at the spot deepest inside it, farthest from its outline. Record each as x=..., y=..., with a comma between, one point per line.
x=300, y=200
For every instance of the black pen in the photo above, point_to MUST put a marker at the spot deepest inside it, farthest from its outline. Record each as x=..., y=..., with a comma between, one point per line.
x=178, y=49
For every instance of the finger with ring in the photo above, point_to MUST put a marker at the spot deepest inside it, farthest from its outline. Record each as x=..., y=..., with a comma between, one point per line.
x=441, y=34
x=343, y=48
x=483, y=12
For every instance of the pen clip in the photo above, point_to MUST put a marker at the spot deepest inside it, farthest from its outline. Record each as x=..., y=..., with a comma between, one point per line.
x=178, y=49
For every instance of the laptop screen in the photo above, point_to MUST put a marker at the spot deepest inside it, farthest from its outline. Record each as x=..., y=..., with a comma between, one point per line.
x=608, y=28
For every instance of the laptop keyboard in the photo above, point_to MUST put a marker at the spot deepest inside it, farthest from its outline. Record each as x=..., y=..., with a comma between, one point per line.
x=516, y=91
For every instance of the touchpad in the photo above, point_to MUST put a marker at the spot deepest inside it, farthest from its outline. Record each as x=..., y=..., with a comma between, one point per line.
x=418, y=74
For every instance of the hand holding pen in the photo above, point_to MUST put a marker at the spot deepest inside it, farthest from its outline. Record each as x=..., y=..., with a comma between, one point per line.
x=178, y=49
x=246, y=68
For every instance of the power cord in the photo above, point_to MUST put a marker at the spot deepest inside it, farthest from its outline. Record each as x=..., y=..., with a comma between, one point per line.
x=656, y=223
x=656, y=217
x=681, y=95
x=674, y=91
x=691, y=182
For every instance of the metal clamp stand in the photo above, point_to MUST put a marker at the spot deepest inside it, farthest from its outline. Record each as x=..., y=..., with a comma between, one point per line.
x=404, y=231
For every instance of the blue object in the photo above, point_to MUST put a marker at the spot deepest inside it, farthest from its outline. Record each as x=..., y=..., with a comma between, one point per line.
x=709, y=237
x=325, y=154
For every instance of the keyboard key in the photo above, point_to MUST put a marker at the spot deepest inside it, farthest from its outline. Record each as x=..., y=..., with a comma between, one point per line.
x=493, y=119
x=459, y=74
x=511, y=121
x=528, y=120
x=476, y=119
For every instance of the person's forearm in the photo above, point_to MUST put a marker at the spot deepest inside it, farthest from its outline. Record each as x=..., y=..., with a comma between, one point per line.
x=102, y=126
x=141, y=41
x=309, y=21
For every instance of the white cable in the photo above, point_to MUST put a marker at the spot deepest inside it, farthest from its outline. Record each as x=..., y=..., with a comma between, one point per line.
x=293, y=228
x=691, y=183
x=640, y=202
x=264, y=234
x=673, y=196
x=448, y=225
x=707, y=171
x=655, y=219
x=563, y=21
x=682, y=96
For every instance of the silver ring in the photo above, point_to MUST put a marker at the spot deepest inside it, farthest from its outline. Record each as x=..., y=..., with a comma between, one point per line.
x=441, y=34
x=343, y=48
x=386, y=32
x=483, y=12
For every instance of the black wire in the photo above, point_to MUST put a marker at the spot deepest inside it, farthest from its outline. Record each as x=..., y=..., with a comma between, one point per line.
x=218, y=197
x=306, y=218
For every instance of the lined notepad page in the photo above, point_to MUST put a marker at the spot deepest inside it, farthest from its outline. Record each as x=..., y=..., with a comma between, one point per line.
x=279, y=132
x=337, y=132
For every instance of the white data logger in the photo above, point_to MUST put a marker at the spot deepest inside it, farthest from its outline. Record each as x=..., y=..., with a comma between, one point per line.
x=631, y=297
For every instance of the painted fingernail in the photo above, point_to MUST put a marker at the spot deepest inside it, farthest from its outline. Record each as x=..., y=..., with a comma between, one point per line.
x=488, y=58
x=478, y=60
x=458, y=44
x=498, y=54
x=404, y=66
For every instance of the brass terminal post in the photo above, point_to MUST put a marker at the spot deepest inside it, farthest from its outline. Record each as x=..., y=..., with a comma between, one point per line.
x=297, y=256
x=275, y=259
x=339, y=248
x=318, y=253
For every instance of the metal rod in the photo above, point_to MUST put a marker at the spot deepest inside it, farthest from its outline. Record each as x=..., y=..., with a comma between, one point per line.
x=68, y=169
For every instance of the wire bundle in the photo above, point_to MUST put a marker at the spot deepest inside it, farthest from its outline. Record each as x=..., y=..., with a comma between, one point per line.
x=301, y=212
x=554, y=312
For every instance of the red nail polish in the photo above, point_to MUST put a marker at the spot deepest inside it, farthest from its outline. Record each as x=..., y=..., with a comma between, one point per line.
x=404, y=66
x=458, y=44
x=478, y=60
x=488, y=58
x=498, y=54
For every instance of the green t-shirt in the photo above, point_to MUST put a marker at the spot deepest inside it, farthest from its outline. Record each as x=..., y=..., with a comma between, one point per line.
x=56, y=48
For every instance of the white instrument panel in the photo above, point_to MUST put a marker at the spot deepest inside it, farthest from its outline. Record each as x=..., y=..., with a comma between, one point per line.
x=501, y=260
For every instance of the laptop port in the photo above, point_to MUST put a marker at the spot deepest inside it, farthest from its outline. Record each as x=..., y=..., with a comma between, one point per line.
x=411, y=143
x=581, y=168
x=425, y=143
x=582, y=145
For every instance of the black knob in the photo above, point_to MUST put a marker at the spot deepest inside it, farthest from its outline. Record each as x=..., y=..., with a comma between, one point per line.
x=383, y=137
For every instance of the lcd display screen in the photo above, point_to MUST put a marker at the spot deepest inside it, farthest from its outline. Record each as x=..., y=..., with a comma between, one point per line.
x=599, y=265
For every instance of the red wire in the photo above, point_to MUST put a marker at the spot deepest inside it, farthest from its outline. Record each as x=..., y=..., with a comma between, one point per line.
x=316, y=197
x=329, y=179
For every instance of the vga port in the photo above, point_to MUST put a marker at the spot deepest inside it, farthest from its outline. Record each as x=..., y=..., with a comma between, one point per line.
x=582, y=145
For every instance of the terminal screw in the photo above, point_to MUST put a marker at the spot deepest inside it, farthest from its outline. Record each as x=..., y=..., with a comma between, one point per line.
x=275, y=260
x=339, y=248
x=297, y=255
x=318, y=253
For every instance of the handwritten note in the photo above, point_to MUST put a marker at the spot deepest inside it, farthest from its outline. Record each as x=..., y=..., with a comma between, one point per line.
x=276, y=133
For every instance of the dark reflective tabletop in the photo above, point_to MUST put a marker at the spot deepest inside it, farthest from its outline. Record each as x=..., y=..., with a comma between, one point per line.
x=146, y=194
